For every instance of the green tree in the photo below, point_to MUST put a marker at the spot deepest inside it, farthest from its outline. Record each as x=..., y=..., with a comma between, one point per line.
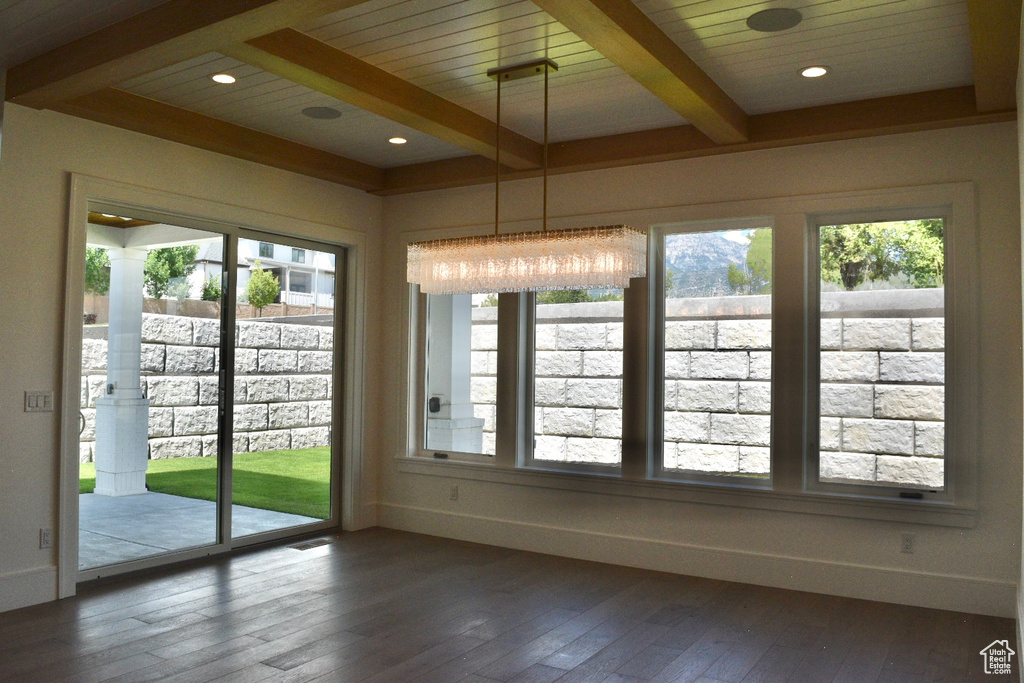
x=919, y=249
x=167, y=264
x=262, y=288
x=489, y=301
x=97, y=271
x=858, y=252
x=755, y=277
x=563, y=296
x=211, y=289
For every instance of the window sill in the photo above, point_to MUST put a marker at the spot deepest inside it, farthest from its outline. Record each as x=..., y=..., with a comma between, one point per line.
x=935, y=513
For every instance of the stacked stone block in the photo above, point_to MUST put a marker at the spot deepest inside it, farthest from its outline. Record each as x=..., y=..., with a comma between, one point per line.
x=578, y=392
x=718, y=396
x=882, y=394
x=883, y=400
x=282, y=390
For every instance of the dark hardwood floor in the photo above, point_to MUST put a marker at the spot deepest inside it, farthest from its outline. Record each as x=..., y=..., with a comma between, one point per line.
x=382, y=605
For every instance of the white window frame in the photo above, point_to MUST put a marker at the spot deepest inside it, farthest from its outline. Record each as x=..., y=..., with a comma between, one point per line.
x=960, y=316
x=529, y=436
x=657, y=334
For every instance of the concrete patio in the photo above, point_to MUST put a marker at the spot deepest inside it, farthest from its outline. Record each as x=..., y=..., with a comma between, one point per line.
x=114, y=529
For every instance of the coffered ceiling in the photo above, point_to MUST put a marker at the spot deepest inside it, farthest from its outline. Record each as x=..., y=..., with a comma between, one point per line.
x=637, y=81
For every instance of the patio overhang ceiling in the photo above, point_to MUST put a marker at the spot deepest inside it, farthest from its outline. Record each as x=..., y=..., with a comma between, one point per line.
x=143, y=235
x=81, y=79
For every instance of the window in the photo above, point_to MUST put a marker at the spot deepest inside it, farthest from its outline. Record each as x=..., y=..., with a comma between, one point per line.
x=577, y=378
x=881, y=405
x=298, y=255
x=300, y=282
x=460, y=344
x=716, y=341
x=266, y=250
x=811, y=352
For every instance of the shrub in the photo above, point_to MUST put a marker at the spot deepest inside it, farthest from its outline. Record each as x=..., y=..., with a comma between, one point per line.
x=211, y=289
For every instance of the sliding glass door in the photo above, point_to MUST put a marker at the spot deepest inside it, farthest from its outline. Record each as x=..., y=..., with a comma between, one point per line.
x=207, y=391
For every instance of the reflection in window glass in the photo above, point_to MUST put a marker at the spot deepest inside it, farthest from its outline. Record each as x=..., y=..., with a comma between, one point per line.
x=718, y=336
x=283, y=392
x=461, y=381
x=882, y=394
x=578, y=377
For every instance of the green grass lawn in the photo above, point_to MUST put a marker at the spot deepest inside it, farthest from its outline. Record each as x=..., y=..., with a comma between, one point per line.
x=296, y=481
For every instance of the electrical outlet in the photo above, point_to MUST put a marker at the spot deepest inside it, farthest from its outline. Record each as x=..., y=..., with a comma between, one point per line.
x=454, y=493
x=45, y=539
x=907, y=543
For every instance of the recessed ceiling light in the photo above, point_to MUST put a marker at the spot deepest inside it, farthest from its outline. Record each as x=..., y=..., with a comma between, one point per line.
x=772, y=20
x=223, y=78
x=397, y=140
x=814, y=71
x=321, y=112
x=108, y=215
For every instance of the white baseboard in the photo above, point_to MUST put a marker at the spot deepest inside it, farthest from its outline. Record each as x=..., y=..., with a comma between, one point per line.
x=921, y=589
x=27, y=587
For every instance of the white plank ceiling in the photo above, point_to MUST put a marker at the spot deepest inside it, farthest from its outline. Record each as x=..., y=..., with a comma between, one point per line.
x=874, y=48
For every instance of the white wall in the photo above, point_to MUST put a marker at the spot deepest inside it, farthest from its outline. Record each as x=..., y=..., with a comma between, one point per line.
x=973, y=569
x=40, y=150
x=1020, y=169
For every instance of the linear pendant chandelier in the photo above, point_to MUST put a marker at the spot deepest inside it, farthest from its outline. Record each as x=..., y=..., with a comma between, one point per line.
x=602, y=257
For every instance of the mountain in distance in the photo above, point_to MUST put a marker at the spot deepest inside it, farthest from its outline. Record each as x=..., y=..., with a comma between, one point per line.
x=697, y=264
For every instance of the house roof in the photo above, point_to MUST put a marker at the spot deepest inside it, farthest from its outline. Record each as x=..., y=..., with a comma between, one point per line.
x=637, y=81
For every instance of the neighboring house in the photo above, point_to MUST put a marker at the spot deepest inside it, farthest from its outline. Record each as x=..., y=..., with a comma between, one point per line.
x=303, y=273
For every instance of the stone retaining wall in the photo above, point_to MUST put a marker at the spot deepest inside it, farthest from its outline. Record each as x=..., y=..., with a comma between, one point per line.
x=882, y=394
x=282, y=388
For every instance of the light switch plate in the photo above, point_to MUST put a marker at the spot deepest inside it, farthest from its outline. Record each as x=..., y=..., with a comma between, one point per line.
x=38, y=401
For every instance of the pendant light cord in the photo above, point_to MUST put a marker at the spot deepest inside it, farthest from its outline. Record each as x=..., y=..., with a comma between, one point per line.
x=497, y=159
x=544, y=209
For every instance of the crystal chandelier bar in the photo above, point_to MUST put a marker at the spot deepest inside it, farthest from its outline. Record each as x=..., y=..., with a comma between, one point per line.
x=603, y=257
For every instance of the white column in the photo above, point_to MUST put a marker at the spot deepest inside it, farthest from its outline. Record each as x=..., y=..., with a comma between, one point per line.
x=453, y=427
x=122, y=414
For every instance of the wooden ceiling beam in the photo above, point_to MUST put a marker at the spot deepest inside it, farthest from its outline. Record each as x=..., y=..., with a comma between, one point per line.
x=143, y=115
x=995, y=49
x=620, y=31
x=848, y=120
x=302, y=59
x=164, y=35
